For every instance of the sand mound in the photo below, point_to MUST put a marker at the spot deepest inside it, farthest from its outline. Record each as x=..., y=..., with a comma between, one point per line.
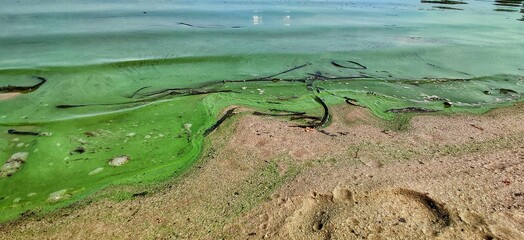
x=396, y=213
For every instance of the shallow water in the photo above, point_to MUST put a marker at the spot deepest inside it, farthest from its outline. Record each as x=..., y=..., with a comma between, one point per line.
x=146, y=79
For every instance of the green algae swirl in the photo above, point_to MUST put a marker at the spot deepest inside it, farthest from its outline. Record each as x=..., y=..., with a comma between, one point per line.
x=152, y=91
x=161, y=127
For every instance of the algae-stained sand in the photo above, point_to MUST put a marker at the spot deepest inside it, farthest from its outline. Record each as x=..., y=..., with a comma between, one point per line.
x=454, y=177
x=352, y=123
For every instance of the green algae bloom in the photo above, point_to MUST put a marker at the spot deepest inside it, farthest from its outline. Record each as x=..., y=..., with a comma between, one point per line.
x=108, y=94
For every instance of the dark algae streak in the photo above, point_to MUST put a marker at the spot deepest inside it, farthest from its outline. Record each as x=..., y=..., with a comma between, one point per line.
x=16, y=132
x=23, y=89
x=227, y=115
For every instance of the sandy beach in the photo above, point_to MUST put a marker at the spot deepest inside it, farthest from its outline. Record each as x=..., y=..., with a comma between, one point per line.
x=436, y=177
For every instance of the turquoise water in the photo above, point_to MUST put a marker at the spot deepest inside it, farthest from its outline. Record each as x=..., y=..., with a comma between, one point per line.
x=147, y=79
x=76, y=33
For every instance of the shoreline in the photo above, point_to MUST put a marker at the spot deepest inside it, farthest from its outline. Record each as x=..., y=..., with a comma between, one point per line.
x=259, y=177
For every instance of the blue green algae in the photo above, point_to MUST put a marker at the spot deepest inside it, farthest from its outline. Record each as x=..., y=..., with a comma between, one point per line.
x=147, y=80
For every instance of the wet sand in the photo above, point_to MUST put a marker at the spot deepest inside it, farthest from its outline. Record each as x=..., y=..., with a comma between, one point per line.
x=439, y=177
x=6, y=96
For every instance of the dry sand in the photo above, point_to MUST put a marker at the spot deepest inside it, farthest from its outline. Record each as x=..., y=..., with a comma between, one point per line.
x=445, y=177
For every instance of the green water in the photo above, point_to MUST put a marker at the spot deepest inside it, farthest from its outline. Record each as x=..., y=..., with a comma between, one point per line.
x=146, y=80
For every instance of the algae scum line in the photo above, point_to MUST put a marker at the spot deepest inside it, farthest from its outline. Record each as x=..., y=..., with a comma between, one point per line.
x=104, y=94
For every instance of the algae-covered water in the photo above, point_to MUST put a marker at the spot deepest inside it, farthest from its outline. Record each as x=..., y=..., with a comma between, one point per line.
x=85, y=82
